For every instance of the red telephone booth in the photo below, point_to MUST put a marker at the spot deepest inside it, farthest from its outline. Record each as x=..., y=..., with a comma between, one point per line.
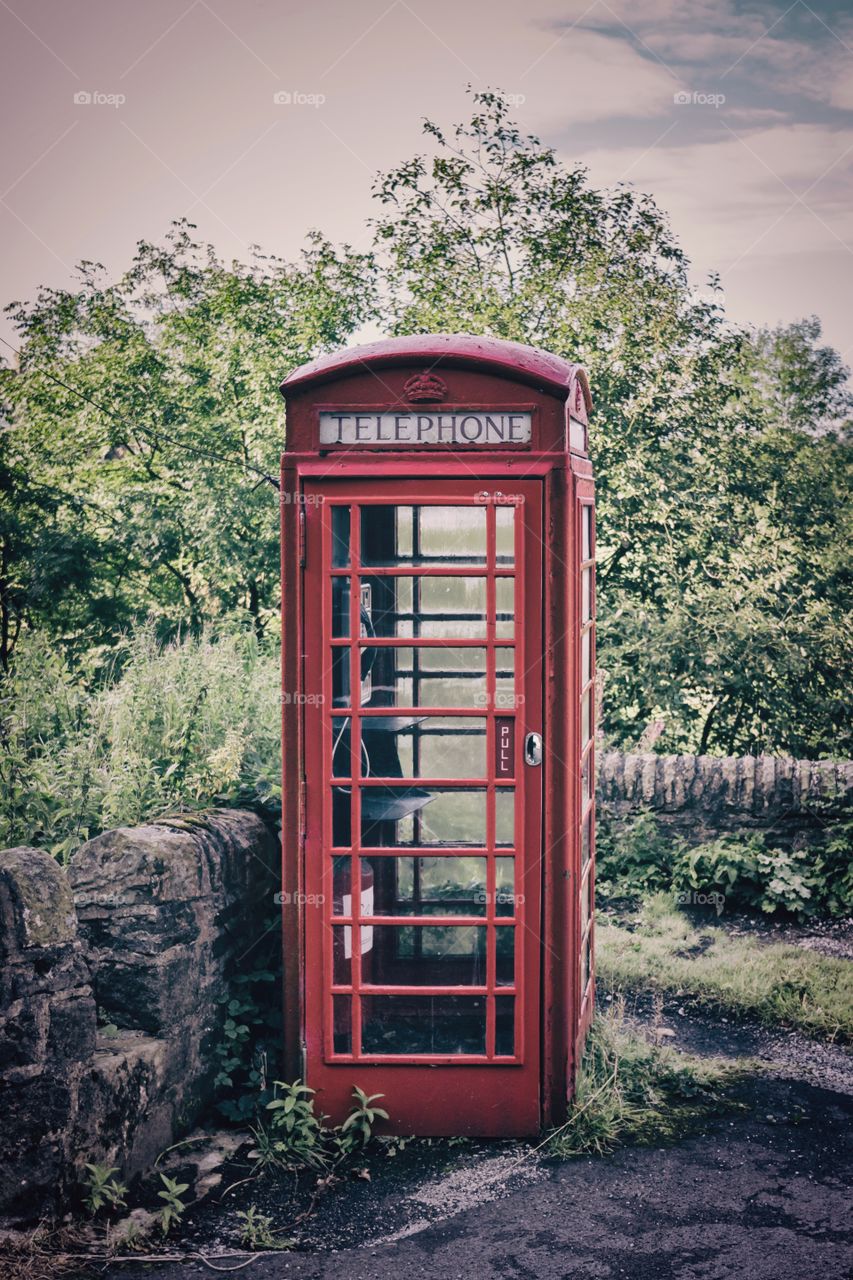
x=438, y=666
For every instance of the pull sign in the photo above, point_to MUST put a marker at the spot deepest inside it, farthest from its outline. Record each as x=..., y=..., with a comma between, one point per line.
x=504, y=747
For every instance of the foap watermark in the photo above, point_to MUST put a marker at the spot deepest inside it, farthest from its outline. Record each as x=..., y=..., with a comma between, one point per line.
x=295, y=98
x=83, y=98
x=693, y=898
x=300, y=699
x=696, y=99
x=501, y=700
x=286, y=899
x=302, y=499
x=515, y=99
x=501, y=898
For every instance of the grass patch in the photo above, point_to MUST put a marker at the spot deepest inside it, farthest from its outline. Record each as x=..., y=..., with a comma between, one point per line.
x=633, y=1092
x=774, y=984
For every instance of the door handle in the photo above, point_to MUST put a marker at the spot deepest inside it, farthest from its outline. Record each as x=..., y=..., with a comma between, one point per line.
x=533, y=748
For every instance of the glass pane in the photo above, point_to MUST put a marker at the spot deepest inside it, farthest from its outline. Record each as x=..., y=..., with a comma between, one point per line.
x=340, y=664
x=425, y=817
x=505, y=1026
x=341, y=759
x=342, y=890
x=586, y=717
x=504, y=816
x=431, y=607
x=393, y=536
x=428, y=886
x=439, y=677
x=505, y=608
x=505, y=955
x=423, y=746
x=505, y=900
x=340, y=537
x=586, y=595
x=584, y=966
x=505, y=696
x=586, y=844
x=422, y=955
x=423, y=1024
x=585, y=903
x=586, y=657
x=505, y=535
x=586, y=777
x=342, y=1016
x=586, y=533
x=340, y=606
x=342, y=955
x=341, y=817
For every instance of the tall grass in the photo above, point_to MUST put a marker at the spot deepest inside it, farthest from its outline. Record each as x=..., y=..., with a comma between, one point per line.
x=161, y=727
x=632, y=1091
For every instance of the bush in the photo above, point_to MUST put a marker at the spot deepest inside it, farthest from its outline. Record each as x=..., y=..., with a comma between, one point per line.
x=636, y=859
x=158, y=727
x=641, y=859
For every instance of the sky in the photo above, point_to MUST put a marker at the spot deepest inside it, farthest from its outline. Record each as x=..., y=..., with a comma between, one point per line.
x=260, y=119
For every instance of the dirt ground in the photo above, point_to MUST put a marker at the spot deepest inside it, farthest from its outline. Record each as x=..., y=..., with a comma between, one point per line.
x=764, y=1195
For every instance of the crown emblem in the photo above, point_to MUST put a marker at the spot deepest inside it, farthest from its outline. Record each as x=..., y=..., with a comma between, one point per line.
x=425, y=387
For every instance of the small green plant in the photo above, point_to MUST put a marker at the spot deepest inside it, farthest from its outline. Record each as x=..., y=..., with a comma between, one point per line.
x=357, y=1130
x=174, y=1208
x=256, y=1230
x=296, y=1134
x=103, y=1189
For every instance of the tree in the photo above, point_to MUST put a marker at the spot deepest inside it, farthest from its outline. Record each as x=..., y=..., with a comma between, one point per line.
x=721, y=587
x=144, y=429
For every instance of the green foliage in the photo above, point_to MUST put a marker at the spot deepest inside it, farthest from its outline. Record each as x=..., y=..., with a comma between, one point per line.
x=251, y=1031
x=632, y=1091
x=634, y=860
x=174, y=1208
x=723, y=520
x=357, y=1130
x=103, y=1188
x=256, y=1230
x=145, y=425
x=162, y=727
x=296, y=1133
x=735, y=872
x=296, y=1136
x=738, y=975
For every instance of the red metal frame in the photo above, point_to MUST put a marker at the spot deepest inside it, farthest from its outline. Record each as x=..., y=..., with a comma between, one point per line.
x=462, y=1093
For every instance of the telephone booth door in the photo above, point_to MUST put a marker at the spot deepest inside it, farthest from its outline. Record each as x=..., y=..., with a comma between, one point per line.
x=423, y=800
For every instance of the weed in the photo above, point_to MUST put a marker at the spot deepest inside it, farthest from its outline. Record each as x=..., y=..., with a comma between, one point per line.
x=103, y=1189
x=296, y=1136
x=633, y=1092
x=256, y=1230
x=174, y=1208
x=357, y=1130
x=296, y=1133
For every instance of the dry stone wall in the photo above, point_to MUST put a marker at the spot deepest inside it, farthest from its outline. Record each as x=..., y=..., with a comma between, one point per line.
x=701, y=797
x=147, y=925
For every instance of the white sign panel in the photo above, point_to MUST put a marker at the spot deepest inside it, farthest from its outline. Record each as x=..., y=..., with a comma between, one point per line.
x=463, y=427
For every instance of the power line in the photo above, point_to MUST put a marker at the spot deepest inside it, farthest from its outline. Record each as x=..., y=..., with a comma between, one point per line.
x=210, y=454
